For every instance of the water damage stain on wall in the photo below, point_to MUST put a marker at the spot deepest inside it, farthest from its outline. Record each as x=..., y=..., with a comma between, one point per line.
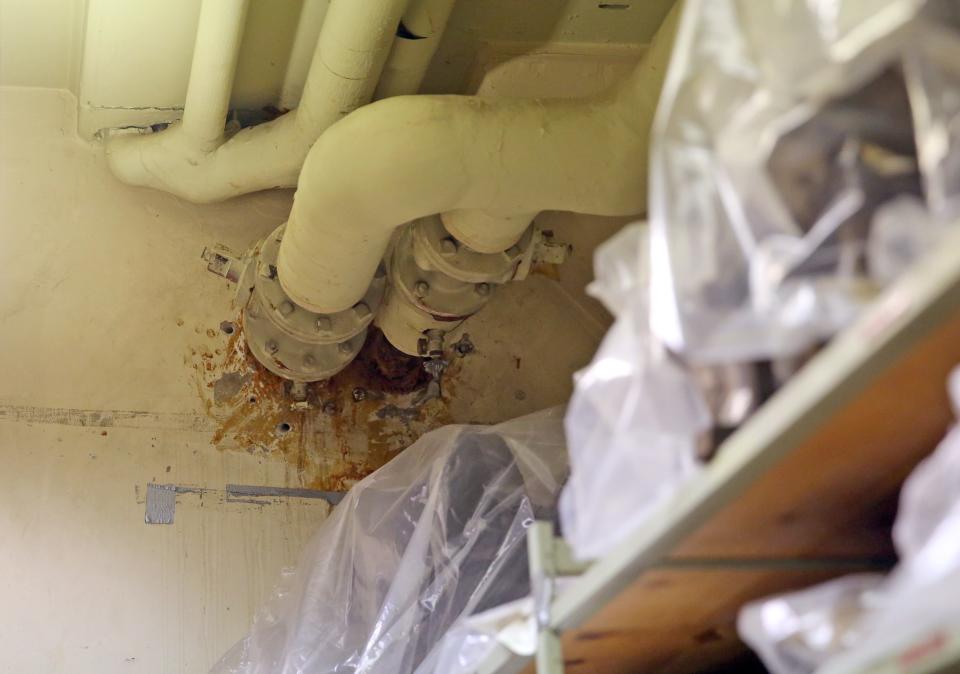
x=348, y=427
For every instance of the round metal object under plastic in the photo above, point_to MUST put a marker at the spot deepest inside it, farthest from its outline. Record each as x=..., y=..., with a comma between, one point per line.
x=291, y=341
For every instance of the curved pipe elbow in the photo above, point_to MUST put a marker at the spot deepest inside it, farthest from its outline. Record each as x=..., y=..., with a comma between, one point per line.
x=258, y=158
x=412, y=156
x=406, y=157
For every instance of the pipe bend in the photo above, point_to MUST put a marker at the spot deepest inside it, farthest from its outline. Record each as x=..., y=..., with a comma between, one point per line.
x=412, y=156
x=406, y=157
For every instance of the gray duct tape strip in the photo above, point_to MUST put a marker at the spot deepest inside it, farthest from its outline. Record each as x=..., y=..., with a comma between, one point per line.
x=161, y=503
x=162, y=498
x=235, y=491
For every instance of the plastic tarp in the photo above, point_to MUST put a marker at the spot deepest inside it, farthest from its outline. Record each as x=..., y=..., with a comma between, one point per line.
x=437, y=534
x=636, y=416
x=783, y=130
x=852, y=623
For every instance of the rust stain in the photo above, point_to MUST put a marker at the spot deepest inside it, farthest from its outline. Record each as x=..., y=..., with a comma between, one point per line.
x=551, y=271
x=344, y=433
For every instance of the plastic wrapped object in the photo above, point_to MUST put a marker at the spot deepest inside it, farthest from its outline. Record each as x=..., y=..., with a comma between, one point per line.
x=636, y=416
x=849, y=624
x=436, y=534
x=782, y=128
x=797, y=633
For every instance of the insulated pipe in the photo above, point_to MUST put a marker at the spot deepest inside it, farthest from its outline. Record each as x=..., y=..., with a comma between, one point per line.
x=403, y=158
x=354, y=43
x=219, y=32
x=309, y=25
x=423, y=26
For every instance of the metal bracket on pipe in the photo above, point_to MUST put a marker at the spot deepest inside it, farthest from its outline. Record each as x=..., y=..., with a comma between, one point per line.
x=550, y=558
x=431, y=348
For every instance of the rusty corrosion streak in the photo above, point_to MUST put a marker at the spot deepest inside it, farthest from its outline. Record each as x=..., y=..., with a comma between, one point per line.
x=339, y=437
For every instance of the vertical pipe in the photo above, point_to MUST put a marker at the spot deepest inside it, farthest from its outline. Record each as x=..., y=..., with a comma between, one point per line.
x=352, y=48
x=424, y=22
x=311, y=19
x=215, y=53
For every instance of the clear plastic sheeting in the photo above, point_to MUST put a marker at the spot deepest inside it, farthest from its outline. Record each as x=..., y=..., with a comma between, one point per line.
x=783, y=130
x=437, y=534
x=797, y=633
x=636, y=416
x=470, y=642
x=850, y=624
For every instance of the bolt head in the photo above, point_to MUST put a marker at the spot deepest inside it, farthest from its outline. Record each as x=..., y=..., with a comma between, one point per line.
x=345, y=347
x=448, y=247
x=323, y=323
x=362, y=309
x=309, y=361
x=271, y=346
x=359, y=394
x=421, y=288
x=482, y=289
x=286, y=308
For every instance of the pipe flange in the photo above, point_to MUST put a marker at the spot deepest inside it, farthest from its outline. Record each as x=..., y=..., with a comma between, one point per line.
x=435, y=248
x=301, y=323
x=297, y=360
x=434, y=292
x=296, y=343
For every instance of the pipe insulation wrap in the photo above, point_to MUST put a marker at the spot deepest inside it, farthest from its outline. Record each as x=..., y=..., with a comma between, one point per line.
x=407, y=157
x=354, y=43
x=312, y=14
x=410, y=58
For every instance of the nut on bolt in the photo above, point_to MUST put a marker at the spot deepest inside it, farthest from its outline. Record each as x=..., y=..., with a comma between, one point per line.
x=448, y=247
x=482, y=289
x=345, y=347
x=271, y=346
x=286, y=308
x=420, y=289
x=362, y=309
x=359, y=394
x=464, y=346
x=323, y=323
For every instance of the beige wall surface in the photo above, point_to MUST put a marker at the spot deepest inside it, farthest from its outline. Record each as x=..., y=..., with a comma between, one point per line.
x=40, y=42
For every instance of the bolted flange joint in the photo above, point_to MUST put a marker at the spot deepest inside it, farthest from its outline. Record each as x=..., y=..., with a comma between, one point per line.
x=294, y=342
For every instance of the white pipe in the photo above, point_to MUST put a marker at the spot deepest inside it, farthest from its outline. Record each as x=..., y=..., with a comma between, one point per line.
x=410, y=57
x=219, y=32
x=354, y=43
x=403, y=158
x=309, y=24
x=486, y=232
